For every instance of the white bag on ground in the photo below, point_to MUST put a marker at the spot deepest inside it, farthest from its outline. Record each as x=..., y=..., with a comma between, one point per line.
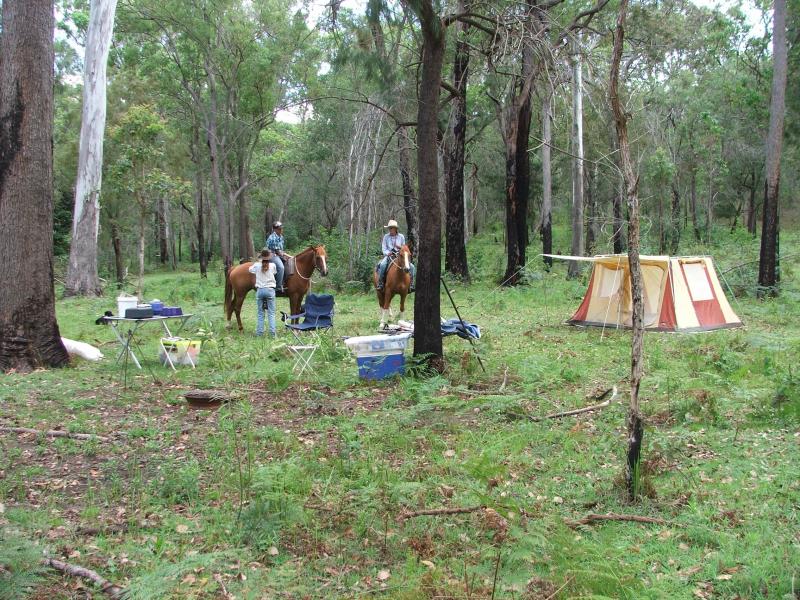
x=81, y=349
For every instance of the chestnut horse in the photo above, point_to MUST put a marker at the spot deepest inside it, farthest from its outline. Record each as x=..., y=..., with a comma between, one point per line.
x=239, y=281
x=398, y=281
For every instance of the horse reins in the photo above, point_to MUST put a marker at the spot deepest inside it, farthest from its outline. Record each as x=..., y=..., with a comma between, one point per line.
x=313, y=265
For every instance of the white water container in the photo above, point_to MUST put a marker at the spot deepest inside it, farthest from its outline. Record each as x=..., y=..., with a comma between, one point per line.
x=124, y=303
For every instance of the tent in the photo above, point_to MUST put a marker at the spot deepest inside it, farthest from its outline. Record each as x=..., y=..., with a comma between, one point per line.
x=680, y=294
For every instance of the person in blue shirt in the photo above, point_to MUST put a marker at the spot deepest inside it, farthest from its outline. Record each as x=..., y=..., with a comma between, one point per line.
x=392, y=242
x=276, y=244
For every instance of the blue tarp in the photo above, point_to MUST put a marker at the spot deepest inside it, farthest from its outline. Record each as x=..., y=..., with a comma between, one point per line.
x=465, y=331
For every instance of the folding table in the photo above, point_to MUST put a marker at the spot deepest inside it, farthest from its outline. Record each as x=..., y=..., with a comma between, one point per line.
x=133, y=327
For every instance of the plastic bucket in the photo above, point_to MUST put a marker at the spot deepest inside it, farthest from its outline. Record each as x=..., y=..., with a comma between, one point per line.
x=126, y=302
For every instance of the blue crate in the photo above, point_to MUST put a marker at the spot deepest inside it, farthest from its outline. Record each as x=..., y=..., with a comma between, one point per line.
x=381, y=366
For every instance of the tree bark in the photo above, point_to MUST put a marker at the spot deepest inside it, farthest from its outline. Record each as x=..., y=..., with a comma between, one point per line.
x=29, y=335
x=752, y=209
x=546, y=229
x=455, y=259
x=618, y=236
x=163, y=234
x=410, y=199
x=634, y=421
x=577, y=247
x=116, y=242
x=515, y=124
x=142, y=221
x=213, y=153
x=693, y=203
x=82, y=279
x=427, y=330
x=675, y=220
x=768, y=275
x=592, y=233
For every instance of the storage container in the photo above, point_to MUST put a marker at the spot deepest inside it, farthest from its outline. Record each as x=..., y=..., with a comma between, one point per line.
x=377, y=343
x=182, y=351
x=125, y=302
x=381, y=366
x=379, y=356
x=157, y=306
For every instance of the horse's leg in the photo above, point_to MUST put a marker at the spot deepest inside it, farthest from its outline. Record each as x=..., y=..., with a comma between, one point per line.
x=401, y=316
x=238, y=300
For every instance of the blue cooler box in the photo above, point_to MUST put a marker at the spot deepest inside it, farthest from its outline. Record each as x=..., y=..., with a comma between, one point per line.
x=379, y=356
x=382, y=366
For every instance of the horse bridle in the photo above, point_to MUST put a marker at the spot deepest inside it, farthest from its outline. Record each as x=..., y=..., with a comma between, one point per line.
x=395, y=256
x=313, y=266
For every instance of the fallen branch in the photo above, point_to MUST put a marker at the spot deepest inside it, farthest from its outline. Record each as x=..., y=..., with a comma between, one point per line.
x=578, y=411
x=593, y=517
x=105, y=585
x=53, y=433
x=94, y=531
x=432, y=512
x=505, y=381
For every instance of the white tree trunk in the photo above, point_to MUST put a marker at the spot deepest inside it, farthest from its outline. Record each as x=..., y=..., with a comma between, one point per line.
x=577, y=160
x=547, y=178
x=82, y=271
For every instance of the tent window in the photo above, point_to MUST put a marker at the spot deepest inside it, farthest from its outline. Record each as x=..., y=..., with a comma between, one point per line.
x=697, y=278
x=610, y=282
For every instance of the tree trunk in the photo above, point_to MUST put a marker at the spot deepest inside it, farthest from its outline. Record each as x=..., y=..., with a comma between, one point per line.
x=82, y=279
x=546, y=229
x=213, y=153
x=516, y=131
x=634, y=421
x=675, y=220
x=427, y=330
x=119, y=262
x=577, y=247
x=140, y=282
x=618, y=193
x=455, y=259
x=693, y=204
x=200, y=228
x=409, y=194
x=163, y=234
x=768, y=275
x=752, y=209
x=29, y=335
x=592, y=233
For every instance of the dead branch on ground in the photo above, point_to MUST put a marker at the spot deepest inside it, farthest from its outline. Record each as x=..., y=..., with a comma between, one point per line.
x=593, y=518
x=105, y=585
x=53, y=433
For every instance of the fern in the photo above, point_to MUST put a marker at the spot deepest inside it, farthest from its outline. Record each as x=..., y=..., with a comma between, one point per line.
x=166, y=578
x=20, y=566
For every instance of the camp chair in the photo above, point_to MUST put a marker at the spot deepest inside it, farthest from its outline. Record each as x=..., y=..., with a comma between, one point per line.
x=317, y=318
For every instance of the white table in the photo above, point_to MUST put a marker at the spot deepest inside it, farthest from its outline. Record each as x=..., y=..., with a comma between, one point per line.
x=133, y=327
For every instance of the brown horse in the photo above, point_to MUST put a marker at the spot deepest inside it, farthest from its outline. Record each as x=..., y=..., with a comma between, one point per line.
x=398, y=281
x=239, y=281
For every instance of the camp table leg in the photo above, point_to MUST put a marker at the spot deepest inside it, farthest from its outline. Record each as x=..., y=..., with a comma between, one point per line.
x=126, y=347
x=166, y=353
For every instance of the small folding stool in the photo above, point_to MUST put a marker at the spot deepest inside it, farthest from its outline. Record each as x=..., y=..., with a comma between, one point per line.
x=317, y=316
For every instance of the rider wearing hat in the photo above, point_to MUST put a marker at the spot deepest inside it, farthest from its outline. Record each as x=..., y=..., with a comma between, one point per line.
x=392, y=242
x=277, y=245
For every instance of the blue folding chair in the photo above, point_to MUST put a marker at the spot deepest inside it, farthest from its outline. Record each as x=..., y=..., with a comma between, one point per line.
x=317, y=318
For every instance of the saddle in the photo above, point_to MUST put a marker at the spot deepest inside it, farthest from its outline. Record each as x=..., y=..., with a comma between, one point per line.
x=288, y=266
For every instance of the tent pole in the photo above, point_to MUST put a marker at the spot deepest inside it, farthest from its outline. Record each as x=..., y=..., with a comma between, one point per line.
x=458, y=314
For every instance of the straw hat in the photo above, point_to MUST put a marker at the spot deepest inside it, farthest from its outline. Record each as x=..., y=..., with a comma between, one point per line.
x=392, y=223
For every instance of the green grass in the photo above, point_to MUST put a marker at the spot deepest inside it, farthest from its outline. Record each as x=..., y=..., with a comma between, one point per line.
x=295, y=490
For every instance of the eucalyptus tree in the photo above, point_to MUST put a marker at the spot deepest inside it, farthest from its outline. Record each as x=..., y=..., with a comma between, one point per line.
x=768, y=260
x=230, y=67
x=29, y=334
x=82, y=276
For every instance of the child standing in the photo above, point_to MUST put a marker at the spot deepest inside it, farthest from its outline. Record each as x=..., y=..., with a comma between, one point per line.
x=264, y=271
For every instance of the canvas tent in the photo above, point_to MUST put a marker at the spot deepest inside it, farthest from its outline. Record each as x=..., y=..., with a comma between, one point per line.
x=680, y=294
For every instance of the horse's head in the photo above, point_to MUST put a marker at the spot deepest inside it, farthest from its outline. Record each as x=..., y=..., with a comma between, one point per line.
x=321, y=260
x=405, y=258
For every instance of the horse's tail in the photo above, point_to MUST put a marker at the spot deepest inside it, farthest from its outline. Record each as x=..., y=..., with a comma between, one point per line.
x=228, y=290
